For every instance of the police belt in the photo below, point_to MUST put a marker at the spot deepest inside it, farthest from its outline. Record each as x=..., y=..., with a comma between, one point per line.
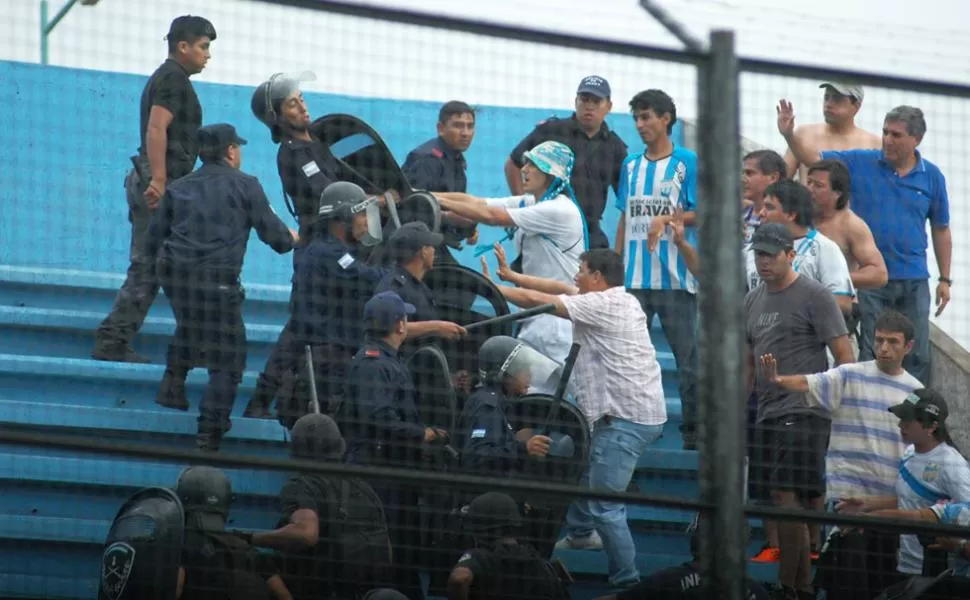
x=203, y=276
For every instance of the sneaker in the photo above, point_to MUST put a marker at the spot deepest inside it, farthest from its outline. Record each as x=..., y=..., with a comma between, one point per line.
x=767, y=554
x=590, y=542
x=118, y=353
x=171, y=393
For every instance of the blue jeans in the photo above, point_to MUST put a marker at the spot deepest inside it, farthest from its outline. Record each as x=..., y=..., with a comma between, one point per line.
x=910, y=297
x=615, y=449
x=677, y=311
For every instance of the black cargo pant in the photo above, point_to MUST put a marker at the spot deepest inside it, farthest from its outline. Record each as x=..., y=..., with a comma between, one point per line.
x=209, y=333
x=140, y=288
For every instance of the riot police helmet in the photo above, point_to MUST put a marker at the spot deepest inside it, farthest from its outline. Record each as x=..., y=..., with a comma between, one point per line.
x=317, y=436
x=492, y=513
x=502, y=356
x=206, y=494
x=268, y=97
x=343, y=201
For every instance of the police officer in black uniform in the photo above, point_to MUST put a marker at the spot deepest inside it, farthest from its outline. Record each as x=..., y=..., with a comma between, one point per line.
x=217, y=563
x=413, y=248
x=489, y=446
x=199, y=235
x=499, y=566
x=438, y=165
x=170, y=117
x=329, y=288
x=599, y=153
x=309, y=532
x=382, y=423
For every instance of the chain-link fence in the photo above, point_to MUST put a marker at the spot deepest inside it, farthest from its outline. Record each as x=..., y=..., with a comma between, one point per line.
x=375, y=364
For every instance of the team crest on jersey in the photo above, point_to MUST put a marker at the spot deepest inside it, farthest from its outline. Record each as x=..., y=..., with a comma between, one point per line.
x=931, y=472
x=116, y=565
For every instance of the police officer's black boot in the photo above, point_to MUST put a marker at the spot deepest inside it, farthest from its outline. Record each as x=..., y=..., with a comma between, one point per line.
x=171, y=393
x=208, y=442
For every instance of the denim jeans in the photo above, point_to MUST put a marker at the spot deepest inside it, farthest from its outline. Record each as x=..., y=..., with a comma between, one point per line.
x=677, y=311
x=615, y=449
x=910, y=297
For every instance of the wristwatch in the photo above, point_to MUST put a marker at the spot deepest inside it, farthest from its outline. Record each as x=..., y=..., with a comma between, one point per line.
x=946, y=280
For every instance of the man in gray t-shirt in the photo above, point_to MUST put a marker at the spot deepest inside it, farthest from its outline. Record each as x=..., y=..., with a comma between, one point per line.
x=793, y=319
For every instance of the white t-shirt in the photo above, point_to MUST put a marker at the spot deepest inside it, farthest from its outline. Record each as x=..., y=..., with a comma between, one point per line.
x=924, y=480
x=865, y=446
x=616, y=371
x=550, y=238
x=816, y=257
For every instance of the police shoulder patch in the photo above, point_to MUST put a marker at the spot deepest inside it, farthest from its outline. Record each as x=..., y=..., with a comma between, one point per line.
x=372, y=353
x=345, y=261
x=437, y=153
x=478, y=433
x=465, y=557
x=116, y=565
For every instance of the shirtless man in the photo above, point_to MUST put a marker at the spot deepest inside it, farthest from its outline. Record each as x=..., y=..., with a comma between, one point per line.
x=838, y=132
x=828, y=180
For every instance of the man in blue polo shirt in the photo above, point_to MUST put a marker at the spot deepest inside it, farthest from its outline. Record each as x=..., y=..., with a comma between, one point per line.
x=895, y=191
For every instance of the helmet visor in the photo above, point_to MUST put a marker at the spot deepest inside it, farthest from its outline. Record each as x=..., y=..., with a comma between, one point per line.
x=529, y=366
x=282, y=85
x=374, y=233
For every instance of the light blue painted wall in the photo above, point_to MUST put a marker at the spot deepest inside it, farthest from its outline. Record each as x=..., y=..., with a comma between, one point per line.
x=66, y=135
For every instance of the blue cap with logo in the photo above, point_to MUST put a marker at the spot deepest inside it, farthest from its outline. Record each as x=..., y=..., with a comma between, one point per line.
x=594, y=85
x=385, y=309
x=214, y=139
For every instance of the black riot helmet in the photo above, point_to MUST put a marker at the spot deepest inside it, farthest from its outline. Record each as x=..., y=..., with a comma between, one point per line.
x=342, y=201
x=492, y=514
x=206, y=494
x=502, y=356
x=267, y=100
x=317, y=436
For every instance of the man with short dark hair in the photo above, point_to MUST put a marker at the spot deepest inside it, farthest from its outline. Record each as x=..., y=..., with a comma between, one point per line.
x=817, y=257
x=895, y=191
x=760, y=169
x=654, y=185
x=618, y=389
x=828, y=181
x=438, y=165
x=599, y=152
x=199, y=234
x=170, y=118
x=795, y=319
x=865, y=446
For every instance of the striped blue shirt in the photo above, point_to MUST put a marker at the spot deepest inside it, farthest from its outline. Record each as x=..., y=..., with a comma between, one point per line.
x=651, y=188
x=865, y=446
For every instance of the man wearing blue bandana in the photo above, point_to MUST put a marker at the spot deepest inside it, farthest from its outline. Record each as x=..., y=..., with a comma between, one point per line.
x=550, y=232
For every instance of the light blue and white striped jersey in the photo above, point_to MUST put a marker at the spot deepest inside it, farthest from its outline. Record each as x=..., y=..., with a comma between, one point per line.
x=651, y=188
x=865, y=446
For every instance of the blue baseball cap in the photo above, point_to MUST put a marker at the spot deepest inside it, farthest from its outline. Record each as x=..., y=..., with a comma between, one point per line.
x=385, y=309
x=595, y=85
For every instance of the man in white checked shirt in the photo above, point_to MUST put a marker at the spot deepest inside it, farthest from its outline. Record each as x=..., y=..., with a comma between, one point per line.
x=652, y=185
x=618, y=388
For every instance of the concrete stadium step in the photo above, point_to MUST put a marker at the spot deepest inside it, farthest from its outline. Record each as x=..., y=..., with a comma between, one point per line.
x=87, y=382
x=156, y=426
x=69, y=333
x=92, y=291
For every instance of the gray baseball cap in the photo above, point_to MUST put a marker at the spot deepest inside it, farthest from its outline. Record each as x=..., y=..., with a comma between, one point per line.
x=846, y=89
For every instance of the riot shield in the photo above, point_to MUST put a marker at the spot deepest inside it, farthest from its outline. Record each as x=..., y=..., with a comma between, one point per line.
x=143, y=551
x=566, y=462
x=437, y=403
x=464, y=296
x=363, y=153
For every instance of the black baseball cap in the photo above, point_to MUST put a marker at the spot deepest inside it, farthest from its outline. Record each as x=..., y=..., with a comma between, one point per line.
x=595, y=85
x=385, y=309
x=214, y=139
x=772, y=238
x=922, y=405
x=410, y=238
x=190, y=27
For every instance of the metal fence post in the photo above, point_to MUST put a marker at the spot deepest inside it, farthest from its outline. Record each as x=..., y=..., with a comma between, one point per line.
x=721, y=322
